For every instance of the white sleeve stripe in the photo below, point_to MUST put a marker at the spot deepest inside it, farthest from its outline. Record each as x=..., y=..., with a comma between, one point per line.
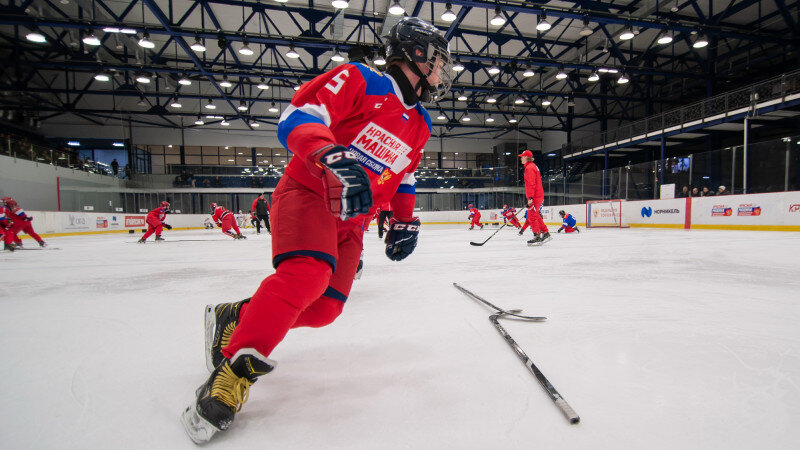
x=318, y=111
x=409, y=179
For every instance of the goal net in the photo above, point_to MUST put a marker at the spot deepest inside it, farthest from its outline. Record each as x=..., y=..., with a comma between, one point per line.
x=604, y=214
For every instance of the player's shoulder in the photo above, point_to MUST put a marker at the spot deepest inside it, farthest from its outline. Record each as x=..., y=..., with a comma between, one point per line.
x=375, y=80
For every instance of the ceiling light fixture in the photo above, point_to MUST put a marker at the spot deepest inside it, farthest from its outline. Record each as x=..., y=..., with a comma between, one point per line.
x=546, y=102
x=627, y=34
x=379, y=60
x=292, y=53
x=528, y=73
x=512, y=120
x=224, y=123
x=519, y=101
x=245, y=49
x=199, y=121
x=35, y=36
x=145, y=41
x=176, y=103
x=561, y=74
x=622, y=79
x=242, y=106
x=543, y=24
x=665, y=38
x=494, y=70
x=273, y=108
x=225, y=83
x=491, y=100
x=254, y=124
x=210, y=105
x=184, y=80
x=262, y=84
x=448, y=15
x=396, y=9
x=498, y=18
x=102, y=76
x=700, y=42
x=462, y=97
x=586, y=30
x=337, y=57
x=594, y=76
x=91, y=39
x=458, y=67
x=490, y=119
x=198, y=45
x=143, y=78
x=340, y=4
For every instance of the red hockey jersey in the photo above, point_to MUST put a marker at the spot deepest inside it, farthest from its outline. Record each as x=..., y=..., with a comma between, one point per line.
x=219, y=213
x=159, y=214
x=358, y=107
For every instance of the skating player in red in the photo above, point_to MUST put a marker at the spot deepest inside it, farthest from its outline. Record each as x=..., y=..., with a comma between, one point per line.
x=226, y=220
x=474, y=216
x=568, y=223
x=535, y=195
x=155, y=222
x=510, y=214
x=19, y=222
x=357, y=136
x=5, y=225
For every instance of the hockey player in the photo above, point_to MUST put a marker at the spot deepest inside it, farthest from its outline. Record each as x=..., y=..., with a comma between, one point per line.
x=474, y=217
x=261, y=209
x=5, y=226
x=568, y=223
x=535, y=195
x=19, y=222
x=357, y=136
x=226, y=220
x=510, y=214
x=155, y=222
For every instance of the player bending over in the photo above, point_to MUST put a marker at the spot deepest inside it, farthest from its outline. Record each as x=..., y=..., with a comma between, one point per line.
x=568, y=223
x=226, y=220
x=18, y=222
x=155, y=222
x=510, y=214
x=474, y=217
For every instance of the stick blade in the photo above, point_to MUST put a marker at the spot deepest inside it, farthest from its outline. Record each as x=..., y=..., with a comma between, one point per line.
x=476, y=244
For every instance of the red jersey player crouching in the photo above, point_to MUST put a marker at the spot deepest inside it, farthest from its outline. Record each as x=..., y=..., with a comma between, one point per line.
x=14, y=220
x=474, y=217
x=510, y=214
x=568, y=223
x=225, y=220
x=535, y=195
x=357, y=136
x=155, y=222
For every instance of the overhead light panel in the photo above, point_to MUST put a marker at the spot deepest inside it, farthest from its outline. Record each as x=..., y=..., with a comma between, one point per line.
x=127, y=31
x=448, y=15
x=379, y=61
x=102, y=76
x=491, y=100
x=396, y=9
x=145, y=41
x=176, y=103
x=273, y=108
x=91, y=39
x=143, y=78
x=586, y=30
x=184, y=81
x=594, y=76
x=528, y=73
x=546, y=102
x=561, y=74
x=73, y=143
x=292, y=53
x=622, y=79
x=466, y=118
x=242, y=106
x=498, y=18
x=462, y=97
x=441, y=116
x=254, y=124
x=490, y=119
x=111, y=29
x=458, y=67
x=224, y=123
x=337, y=57
x=262, y=84
x=198, y=45
x=210, y=105
x=494, y=70
x=199, y=121
x=512, y=120
x=225, y=82
x=519, y=101
x=118, y=144
x=340, y=4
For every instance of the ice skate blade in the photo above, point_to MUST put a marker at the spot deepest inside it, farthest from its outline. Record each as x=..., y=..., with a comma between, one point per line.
x=211, y=324
x=199, y=430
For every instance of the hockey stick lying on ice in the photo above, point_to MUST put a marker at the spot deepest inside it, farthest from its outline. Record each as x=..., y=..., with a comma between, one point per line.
x=503, y=311
x=478, y=244
x=562, y=404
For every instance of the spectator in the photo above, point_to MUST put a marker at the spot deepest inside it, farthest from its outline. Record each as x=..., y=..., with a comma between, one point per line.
x=115, y=166
x=684, y=192
x=178, y=181
x=206, y=182
x=127, y=171
x=722, y=190
x=217, y=182
x=695, y=192
x=706, y=192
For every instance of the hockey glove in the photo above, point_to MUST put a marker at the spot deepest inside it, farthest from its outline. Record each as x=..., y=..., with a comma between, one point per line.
x=29, y=219
x=167, y=226
x=401, y=239
x=346, y=186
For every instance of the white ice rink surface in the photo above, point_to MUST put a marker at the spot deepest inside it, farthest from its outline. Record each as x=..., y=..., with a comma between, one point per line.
x=660, y=339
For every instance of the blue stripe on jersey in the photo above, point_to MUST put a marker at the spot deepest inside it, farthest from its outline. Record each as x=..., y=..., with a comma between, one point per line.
x=334, y=294
x=377, y=83
x=406, y=189
x=424, y=113
x=295, y=119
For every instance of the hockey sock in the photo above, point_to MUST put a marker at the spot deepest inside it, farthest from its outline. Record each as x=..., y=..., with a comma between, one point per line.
x=278, y=303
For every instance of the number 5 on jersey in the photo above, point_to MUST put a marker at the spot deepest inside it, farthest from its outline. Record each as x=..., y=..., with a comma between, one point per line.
x=337, y=82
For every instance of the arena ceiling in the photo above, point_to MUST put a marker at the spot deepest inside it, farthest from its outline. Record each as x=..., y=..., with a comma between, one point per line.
x=163, y=62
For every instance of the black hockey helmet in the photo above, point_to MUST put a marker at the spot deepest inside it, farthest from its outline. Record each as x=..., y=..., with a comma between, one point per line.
x=562, y=213
x=412, y=40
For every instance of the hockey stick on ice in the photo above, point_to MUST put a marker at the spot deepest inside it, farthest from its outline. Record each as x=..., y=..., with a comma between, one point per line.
x=478, y=244
x=562, y=404
x=512, y=312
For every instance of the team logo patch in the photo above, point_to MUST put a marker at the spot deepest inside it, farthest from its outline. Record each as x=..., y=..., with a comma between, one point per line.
x=377, y=149
x=385, y=176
